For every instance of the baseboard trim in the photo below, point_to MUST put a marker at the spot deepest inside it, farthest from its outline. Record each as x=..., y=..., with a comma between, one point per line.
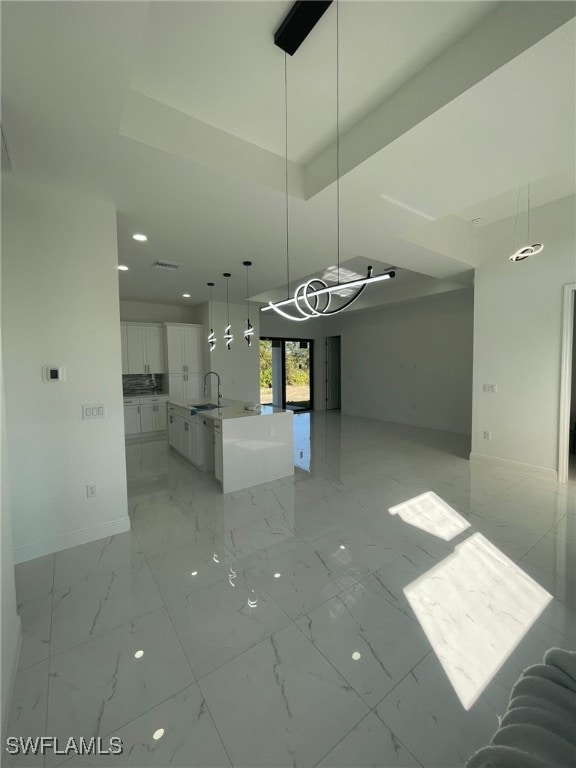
x=31, y=551
x=526, y=469
x=8, y=695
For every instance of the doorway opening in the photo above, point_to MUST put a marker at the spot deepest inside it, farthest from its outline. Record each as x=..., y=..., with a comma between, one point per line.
x=333, y=373
x=286, y=373
x=567, y=425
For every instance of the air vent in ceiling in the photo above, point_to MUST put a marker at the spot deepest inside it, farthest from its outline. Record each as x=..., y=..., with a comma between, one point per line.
x=165, y=265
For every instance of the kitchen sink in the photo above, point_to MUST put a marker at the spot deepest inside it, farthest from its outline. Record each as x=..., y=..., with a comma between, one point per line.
x=206, y=406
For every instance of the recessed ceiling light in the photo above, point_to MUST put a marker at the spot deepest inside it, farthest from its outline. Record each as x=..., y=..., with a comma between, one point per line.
x=356, y=655
x=140, y=237
x=277, y=575
x=194, y=573
x=138, y=654
x=185, y=295
x=158, y=734
x=122, y=267
x=342, y=546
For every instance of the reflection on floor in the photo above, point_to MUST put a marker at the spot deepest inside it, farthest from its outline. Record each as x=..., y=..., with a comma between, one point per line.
x=276, y=626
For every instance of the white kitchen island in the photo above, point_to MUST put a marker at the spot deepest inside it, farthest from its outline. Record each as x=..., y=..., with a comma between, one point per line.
x=242, y=447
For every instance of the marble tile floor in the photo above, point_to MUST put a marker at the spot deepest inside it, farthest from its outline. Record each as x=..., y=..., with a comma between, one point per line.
x=271, y=627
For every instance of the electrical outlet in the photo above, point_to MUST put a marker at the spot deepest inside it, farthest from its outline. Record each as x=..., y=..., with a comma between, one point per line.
x=272, y=432
x=492, y=388
x=487, y=435
x=91, y=491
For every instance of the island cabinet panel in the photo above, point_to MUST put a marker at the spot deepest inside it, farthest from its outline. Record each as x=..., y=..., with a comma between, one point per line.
x=243, y=447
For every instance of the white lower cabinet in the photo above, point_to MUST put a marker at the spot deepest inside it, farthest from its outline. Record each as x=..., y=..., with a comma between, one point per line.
x=173, y=428
x=144, y=415
x=218, y=451
x=131, y=419
x=189, y=438
x=186, y=434
x=147, y=418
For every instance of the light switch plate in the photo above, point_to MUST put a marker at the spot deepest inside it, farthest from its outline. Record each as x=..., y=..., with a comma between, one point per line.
x=93, y=411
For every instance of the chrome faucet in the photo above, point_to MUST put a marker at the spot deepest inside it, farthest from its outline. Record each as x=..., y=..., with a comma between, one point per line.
x=206, y=387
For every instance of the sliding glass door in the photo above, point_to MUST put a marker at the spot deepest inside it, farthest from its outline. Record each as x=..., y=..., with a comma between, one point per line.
x=286, y=367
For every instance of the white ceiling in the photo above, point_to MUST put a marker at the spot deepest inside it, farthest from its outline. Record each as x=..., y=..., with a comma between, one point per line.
x=175, y=112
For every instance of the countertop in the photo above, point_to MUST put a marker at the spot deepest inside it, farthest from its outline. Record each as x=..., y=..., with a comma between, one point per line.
x=231, y=409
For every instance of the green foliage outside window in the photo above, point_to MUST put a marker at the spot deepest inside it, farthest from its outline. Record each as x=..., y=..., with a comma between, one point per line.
x=297, y=362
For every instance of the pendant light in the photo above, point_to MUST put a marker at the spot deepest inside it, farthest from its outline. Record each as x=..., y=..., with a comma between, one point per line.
x=211, y=335
x=527, y=250
x=228, y=335
x=249, y=332
x=313, y=298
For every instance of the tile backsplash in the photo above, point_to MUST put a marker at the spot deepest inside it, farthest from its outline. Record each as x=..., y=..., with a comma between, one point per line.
x=142, y=384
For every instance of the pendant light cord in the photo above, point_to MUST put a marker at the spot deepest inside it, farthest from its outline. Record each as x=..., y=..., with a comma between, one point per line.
x=227, y=303
x=286, y=171
x=338, y=138
x=516, y=221
x=247, y=294
x=528, y=218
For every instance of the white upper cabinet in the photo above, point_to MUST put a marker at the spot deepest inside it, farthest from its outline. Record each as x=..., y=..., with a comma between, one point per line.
x=124, y=347
x=143, y=348
x=184, y=349
x=154, y=348
x=135, y=338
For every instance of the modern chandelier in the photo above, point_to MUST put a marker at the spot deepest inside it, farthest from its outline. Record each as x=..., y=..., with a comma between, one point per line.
x=526, y=250
x=313, y=298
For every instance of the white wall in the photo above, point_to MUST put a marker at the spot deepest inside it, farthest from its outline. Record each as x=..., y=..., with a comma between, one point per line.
x=60, y=305
x=409, y=362
x=274, y=326
x=144, y=312
x=573, y=388
x=10, y=627
x=518, y=338
x=239, y=366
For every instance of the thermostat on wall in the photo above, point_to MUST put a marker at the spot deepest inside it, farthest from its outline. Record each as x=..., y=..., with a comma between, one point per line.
x=52, y=373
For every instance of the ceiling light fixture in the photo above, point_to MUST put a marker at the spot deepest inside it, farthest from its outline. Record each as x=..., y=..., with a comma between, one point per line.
x=526, y=250
x=122, y=268
x=139, y=237
x=185, y=295
x=211, y=335
x=228, y=335
x=313, y=298
x=249, y=332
